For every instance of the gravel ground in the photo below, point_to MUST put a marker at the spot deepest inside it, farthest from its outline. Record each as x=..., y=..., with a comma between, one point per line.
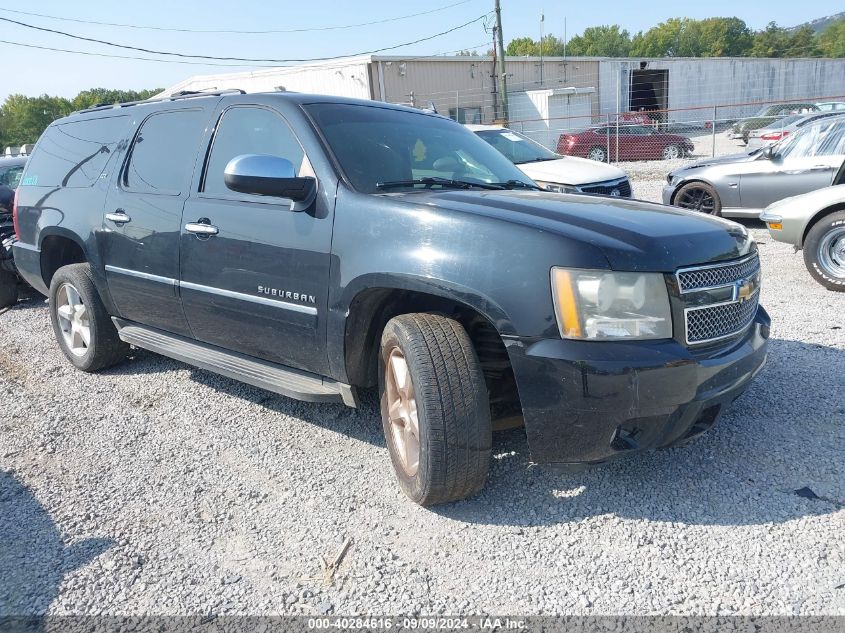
x=155, y=488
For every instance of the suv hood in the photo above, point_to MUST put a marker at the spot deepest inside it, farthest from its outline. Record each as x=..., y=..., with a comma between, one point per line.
x=632, y=235
x=571, y=171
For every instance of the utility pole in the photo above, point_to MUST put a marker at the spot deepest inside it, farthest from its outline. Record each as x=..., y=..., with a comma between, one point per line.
x=503, y=83
x=542, y=33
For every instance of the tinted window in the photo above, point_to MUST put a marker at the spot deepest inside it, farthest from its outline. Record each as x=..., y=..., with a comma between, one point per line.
x=376, y=146
x=250, y=130
x=74, y=154
x=162, y=158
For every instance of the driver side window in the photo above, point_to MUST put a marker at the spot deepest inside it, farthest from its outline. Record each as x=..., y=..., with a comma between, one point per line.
x=250, y=130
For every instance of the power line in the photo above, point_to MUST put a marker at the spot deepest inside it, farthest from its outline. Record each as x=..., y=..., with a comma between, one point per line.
x=145, y=59
x=238, y=59
x=236, y=31
x=193, y=63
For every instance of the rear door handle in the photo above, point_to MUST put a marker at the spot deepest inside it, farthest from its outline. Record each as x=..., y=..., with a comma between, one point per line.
x=202, y=228
x=119, y=217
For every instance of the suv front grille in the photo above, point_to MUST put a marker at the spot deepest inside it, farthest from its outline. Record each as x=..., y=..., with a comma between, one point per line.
x=720, y=321
x=716, y=276
x=720, y=300
x=622, y=187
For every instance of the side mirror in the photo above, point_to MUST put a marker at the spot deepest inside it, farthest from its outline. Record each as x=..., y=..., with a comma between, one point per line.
x=265, y=175
x=768, y=152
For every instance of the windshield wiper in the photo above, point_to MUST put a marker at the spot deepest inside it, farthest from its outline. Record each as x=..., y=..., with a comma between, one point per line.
x=442, y=182
x=537, y=160
x=517, y=184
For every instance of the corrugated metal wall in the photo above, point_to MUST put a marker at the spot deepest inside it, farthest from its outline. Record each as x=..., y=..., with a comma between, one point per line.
x=737, y=85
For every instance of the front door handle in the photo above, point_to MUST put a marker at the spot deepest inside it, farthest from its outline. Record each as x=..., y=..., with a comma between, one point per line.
x=119, y=217
x=202, y=228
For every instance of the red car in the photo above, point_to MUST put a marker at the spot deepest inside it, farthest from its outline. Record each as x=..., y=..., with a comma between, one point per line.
x=635, y=142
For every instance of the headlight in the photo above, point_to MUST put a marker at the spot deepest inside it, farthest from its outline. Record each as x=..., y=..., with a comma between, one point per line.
x=598, y=304
x=558, y=187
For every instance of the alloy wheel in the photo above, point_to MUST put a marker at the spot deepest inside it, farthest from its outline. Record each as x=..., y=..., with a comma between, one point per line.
x=73, y=319
x=671, y=152
x=402, y=411
x=697, y=200
x=597, y=154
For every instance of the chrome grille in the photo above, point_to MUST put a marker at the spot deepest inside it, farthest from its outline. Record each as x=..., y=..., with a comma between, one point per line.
x=720, y=300
x=720, y=275
x=715, y=322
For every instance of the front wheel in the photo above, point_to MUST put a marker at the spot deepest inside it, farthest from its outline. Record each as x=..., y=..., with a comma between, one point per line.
x=824, y=251
x=83, y=329
x=699, y=196
x=434, y=408
x=673, y=152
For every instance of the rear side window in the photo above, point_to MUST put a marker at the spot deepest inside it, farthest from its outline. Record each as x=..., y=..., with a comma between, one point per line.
x=74, y=154
x=250, y=130
x=162, y=157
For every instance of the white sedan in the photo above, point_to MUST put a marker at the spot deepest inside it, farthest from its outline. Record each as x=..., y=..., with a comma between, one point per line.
x=553, y=171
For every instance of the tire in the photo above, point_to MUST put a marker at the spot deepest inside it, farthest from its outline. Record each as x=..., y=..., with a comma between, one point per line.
x=103, y=348
x=699, y=196
x=8, y=289
x=673, y=152
x=598, y=154
x=449, y=396
x=824, y=251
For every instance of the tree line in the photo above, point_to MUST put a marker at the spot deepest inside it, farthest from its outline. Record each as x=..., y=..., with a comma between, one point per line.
x=22, y=119
x=685, y=37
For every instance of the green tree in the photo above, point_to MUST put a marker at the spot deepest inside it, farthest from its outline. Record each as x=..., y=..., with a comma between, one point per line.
x=770, y=42
x=722, y=37
x=803, y=43
x=601, y=41
x=522, y=46
x=23, y=119
x=831, y=42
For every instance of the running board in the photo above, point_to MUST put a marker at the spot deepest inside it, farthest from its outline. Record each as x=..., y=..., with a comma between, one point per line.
x=286, y=381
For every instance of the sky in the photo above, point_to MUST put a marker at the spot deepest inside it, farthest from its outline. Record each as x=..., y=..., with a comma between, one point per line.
x=32, y=72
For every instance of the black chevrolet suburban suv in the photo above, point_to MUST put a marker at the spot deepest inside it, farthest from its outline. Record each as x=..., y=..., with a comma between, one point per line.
x=315, y=245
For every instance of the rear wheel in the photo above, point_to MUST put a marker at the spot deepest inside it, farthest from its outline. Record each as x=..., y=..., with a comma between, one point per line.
x=434, y=407
x=824, y=251
x=699, y=196
x=82, y=326
x=597, y=153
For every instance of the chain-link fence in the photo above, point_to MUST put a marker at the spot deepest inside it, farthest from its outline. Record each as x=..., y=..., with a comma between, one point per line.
x=627, y=111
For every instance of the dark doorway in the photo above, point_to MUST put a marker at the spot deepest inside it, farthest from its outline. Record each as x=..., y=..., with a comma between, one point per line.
x=649, y=92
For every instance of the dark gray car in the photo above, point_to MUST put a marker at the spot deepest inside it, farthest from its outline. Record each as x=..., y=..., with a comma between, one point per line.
x=744, y=184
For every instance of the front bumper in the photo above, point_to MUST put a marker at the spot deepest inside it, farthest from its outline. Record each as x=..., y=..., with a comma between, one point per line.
x=668, y=190
x=588, y=401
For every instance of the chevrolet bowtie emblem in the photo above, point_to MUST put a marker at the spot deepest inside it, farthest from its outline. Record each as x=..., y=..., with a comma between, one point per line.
x=744, y=289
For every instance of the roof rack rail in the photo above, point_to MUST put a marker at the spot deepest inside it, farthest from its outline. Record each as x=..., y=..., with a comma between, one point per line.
x=182, y=94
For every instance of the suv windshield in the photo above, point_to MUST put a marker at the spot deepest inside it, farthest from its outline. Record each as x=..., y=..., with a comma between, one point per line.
x=384, y=150
x=515, y=147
